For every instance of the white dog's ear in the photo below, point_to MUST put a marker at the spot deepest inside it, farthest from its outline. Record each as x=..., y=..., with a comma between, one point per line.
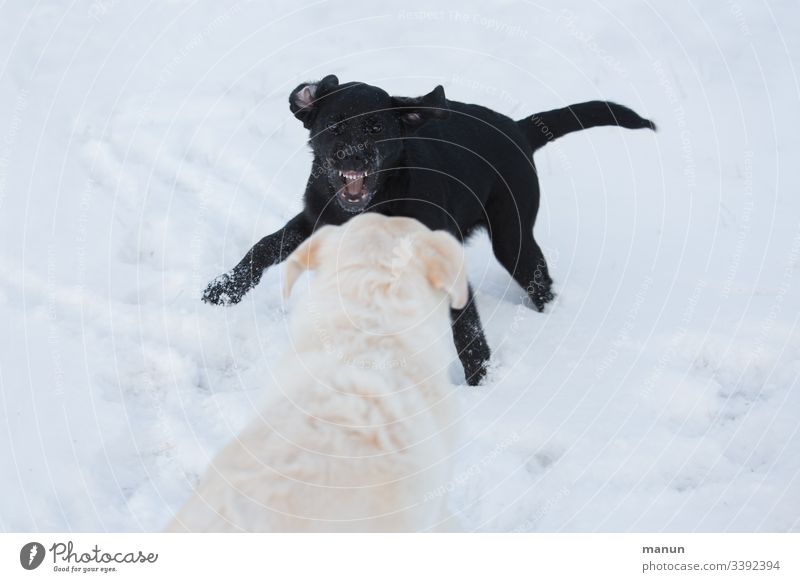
x=443, y=260
x=304, y=258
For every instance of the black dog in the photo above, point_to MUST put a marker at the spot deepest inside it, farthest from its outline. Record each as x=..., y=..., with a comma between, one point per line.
x=450, y=165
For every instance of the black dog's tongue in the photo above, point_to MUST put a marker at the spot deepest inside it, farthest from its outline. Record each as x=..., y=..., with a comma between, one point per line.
x=354, y=185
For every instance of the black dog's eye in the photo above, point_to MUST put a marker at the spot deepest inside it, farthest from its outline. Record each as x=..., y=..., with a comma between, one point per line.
x=335, y=127
x=374, y=128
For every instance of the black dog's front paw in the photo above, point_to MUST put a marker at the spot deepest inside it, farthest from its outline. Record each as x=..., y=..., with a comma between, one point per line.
x=475, y=374
x=226, y=289
x=541, y=295
x=475, y=361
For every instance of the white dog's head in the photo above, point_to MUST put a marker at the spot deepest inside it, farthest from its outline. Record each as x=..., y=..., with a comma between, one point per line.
x=387, y=255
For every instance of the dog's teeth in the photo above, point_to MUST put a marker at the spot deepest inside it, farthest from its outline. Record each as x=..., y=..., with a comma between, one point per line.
x=353, y=175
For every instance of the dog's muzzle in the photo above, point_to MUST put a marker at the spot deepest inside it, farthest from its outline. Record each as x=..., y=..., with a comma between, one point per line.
x=354, y=188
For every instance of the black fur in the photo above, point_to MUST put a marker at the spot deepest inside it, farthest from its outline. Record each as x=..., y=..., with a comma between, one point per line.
x=452, y=166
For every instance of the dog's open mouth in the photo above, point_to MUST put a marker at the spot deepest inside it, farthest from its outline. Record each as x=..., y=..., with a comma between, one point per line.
x=354, y=189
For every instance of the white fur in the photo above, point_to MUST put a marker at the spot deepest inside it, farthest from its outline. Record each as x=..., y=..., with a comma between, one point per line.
x=361, y=437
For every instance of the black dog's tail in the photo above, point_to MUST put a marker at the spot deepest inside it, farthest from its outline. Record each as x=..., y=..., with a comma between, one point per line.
x=542, y=128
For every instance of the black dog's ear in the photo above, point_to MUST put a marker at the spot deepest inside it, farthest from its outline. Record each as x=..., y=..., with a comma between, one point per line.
x=414, y=111
x=302, y=101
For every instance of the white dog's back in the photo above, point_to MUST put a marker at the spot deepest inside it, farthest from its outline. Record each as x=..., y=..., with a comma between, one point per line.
x=344, y=454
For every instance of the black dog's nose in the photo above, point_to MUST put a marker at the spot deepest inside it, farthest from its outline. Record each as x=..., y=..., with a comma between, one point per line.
x=352, y=156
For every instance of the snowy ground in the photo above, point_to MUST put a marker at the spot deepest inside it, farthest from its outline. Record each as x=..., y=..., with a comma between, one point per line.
x=144, y=146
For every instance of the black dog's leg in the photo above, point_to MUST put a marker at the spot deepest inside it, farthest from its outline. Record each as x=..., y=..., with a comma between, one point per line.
x=525, y=262
x=270, y=250
x=473, y=350
x=540, y=284
x=511, y=212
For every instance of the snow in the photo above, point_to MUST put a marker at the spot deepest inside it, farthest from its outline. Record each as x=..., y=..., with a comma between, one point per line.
x=145, y=146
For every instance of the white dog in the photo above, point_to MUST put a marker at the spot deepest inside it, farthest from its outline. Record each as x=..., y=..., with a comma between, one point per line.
x=362, y=434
